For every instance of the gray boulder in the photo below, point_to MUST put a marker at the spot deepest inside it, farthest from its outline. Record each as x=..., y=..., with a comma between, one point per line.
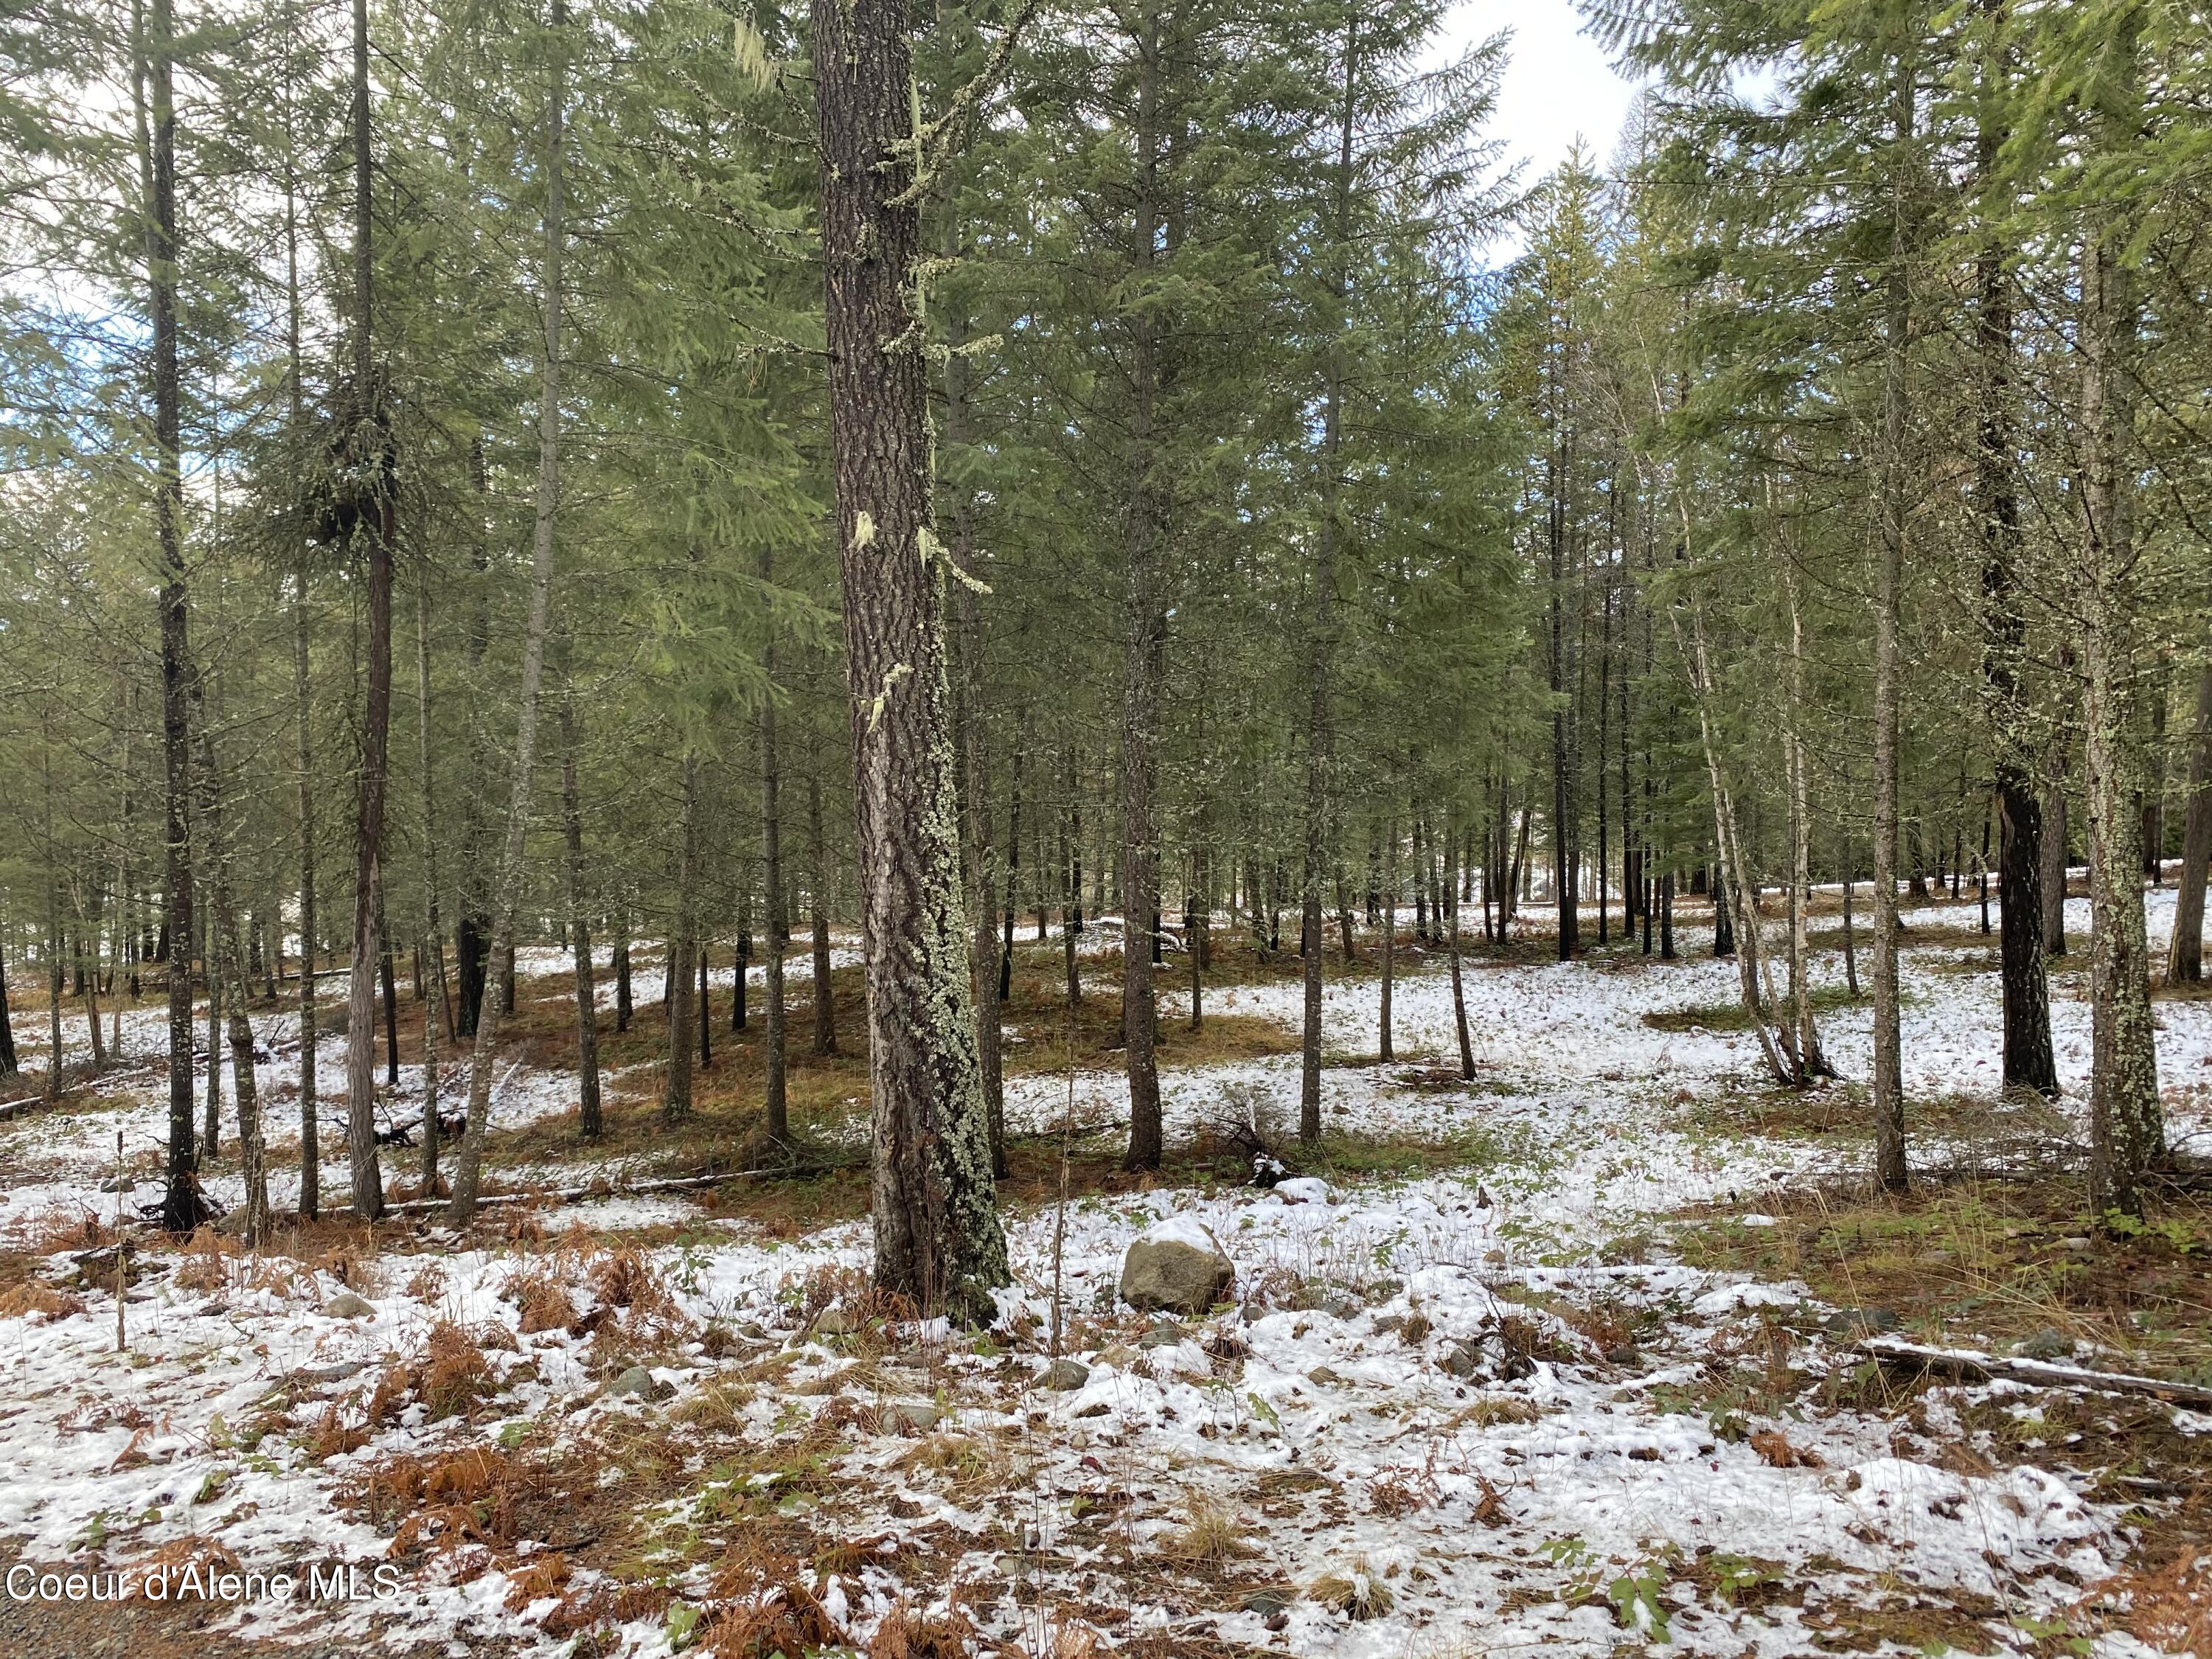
x=346, y=1305
x=1064, y=1376
x=1176, y=1269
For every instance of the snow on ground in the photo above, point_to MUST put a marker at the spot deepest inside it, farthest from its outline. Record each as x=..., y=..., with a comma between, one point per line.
x=1394, y=1419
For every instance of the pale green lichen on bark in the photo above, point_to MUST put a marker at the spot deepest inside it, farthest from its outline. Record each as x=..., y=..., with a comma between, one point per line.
x=978, y=1262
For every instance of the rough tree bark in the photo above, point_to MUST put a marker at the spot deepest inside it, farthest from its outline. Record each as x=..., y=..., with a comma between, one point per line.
x=2126, y=1131
x=937, y=1234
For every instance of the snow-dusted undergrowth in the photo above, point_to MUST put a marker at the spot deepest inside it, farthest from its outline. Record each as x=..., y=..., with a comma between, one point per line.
x=1406, y=1449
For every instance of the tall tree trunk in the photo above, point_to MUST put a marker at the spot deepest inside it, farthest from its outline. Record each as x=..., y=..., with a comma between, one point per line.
x=1145, y=627
x=1451, y=937
x=2185, y=957
x=387, y=976
x=212, y=1109
x=182, y=1206
x=9, y=1066
x=311, y=1156
x=937, y=1233
x=1811, y=1061
x=986, y=958
x=375, y=525
x=774, y=1093
x=681, y=997
x=579, y=927
x=226, y=969
x=1888, y=1101
x=500, y=987
x=430, y=985
x=2027, y=1058
x=2126, y=1131
x=1006, y=975
x=2056, y=831
x=1389, y=908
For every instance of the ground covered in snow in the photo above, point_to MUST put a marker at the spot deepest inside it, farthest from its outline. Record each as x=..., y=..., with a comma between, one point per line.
x=1564, y=1360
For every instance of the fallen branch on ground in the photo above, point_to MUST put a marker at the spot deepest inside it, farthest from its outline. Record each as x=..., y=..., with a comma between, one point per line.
x=1971, y=1366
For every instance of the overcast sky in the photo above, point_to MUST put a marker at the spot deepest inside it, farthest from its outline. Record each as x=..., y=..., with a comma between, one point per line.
x=1557, y=84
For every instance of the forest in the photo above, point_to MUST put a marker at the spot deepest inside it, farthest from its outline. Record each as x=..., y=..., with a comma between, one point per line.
x=1026, y=827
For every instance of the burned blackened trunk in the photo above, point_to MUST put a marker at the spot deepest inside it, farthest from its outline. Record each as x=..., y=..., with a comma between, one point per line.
x=937, y=1234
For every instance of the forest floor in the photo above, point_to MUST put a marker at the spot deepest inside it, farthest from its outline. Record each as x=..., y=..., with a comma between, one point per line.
x=1564, y=1359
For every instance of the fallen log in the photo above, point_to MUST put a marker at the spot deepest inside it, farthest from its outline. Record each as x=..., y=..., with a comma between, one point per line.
x=1975, y=1367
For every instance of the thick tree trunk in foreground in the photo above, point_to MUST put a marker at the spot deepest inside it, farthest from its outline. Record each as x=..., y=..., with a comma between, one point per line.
x=2126, y=1131
x=937, y=1233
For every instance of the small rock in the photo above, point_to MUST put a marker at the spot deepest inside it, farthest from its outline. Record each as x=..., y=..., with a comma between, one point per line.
x=1339, y=1304
x=346, y=1305
x=1462, y=1358
x=636, y=1382
x=910, y=1417
x=1165, y=1334
x=2047, y=1344
x=1322, y=1376
x=1064, y=1376
x=1268, y=1602
x=1302, y=1189
x=1387, y=1322
x=1253, y=1313
x=117, y=1184
x=1177, y=1267
x=232, y=1223
x=1624, y=1354
x=1096, y=1408
x=837, y=1321
x=2077, y=1244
